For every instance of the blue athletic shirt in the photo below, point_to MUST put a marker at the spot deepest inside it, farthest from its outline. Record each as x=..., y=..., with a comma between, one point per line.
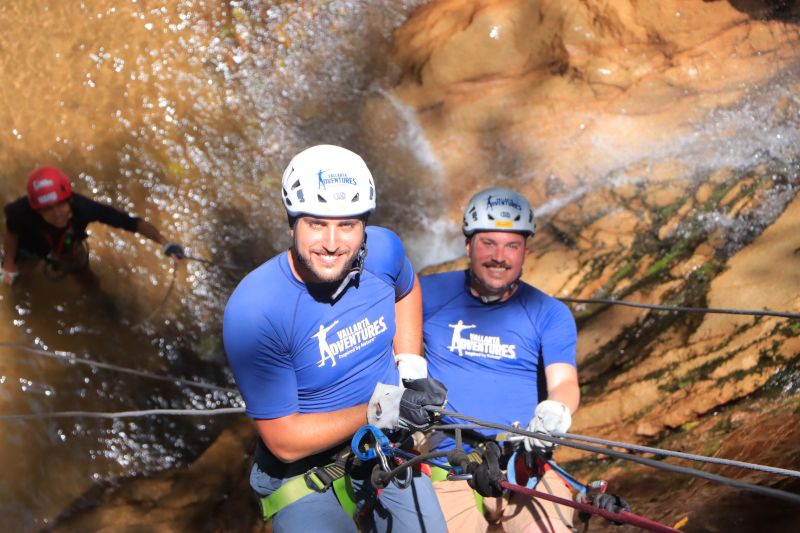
x=291, y=353
x=491, y=357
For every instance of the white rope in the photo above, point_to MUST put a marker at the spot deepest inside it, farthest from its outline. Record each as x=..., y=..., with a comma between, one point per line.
x=680, y=455
x=72, y=358
x=128, y=414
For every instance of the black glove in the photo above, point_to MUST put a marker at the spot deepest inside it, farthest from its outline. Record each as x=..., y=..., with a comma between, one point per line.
x=393, y=407
x=175, y=250
x=419, y=394
x=611, y=503
x=484, y=465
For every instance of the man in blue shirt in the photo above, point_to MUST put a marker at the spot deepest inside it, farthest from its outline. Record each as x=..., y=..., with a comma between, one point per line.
x=485, y=330
x=319, y=338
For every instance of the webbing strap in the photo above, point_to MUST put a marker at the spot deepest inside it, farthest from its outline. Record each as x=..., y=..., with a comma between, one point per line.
x=440, y=474
x=316, y=480
x=343, y=488
x=288, y=493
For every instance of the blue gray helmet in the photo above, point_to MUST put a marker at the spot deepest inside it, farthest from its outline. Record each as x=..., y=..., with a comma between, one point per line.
x=498, y=209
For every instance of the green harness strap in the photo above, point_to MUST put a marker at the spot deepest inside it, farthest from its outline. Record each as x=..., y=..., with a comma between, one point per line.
x=309, y=483
x=440, y=474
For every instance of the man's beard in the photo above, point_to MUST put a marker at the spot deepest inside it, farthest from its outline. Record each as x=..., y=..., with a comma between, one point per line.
x=326, y=277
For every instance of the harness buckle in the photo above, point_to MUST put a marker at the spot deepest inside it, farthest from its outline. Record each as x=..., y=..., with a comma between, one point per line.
x=319, y=479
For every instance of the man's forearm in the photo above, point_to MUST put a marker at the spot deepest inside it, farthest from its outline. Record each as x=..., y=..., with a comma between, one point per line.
x=562, y=385
x=150, y=231
x=408, y=321
x=567, y=393
x=298, y=435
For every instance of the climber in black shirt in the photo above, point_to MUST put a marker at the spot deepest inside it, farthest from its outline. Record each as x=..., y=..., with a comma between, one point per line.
x=50, y=223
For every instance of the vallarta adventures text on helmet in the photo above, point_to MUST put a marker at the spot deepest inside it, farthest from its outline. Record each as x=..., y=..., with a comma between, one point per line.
x=498, y=209
x=327, y=181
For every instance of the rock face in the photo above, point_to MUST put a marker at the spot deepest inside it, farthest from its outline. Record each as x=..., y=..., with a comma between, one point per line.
x=554, y=94
x=658, y=142
x=213, y=494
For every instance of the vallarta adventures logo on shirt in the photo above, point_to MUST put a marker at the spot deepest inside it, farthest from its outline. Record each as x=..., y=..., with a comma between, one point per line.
x=479, y=345
x=348, y=339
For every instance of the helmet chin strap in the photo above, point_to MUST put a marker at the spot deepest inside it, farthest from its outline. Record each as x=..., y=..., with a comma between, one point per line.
x=497, y=294
x=355, y=270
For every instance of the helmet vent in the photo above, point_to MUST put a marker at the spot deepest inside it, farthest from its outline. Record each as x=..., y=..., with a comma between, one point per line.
x=517, y=219
x=296, y=184
x=372, y=193
x=355, y=199
x=489, y=216
x=321, y=199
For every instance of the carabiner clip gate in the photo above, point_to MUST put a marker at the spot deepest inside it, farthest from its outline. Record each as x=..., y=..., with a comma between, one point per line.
x=378, y=447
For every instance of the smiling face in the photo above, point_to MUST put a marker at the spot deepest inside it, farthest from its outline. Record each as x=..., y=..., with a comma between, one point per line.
x=323, y=249
x=56, y=215
x=495, y=260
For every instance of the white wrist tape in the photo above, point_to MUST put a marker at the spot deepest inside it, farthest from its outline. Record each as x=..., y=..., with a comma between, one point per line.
x=411, y=366
x=383, y=410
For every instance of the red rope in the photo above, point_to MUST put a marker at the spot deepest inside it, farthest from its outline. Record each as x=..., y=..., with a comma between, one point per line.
x=624, y=517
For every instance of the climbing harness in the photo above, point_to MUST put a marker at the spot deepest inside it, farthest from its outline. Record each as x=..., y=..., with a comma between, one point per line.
x=59, y=264
x=318, y=479
x=367, y=445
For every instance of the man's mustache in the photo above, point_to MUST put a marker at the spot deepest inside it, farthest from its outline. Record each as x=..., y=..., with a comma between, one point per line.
x=496, y=264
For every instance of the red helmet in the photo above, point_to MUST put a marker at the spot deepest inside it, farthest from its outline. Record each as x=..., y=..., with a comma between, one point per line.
x=48, y=186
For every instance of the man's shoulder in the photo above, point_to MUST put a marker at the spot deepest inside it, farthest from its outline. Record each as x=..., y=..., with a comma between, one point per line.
x=18, y=207
x=385, y=253
x=441, y=287
x=20, y=216
x=80, y=202
x=382, y=240
x=453, y=278
x=532, y=296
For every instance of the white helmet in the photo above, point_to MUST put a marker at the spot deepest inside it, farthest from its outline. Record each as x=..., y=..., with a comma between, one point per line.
x=327, y=181
x=498, y=209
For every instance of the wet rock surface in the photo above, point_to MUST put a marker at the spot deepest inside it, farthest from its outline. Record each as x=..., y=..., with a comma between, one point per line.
x=213, y=494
